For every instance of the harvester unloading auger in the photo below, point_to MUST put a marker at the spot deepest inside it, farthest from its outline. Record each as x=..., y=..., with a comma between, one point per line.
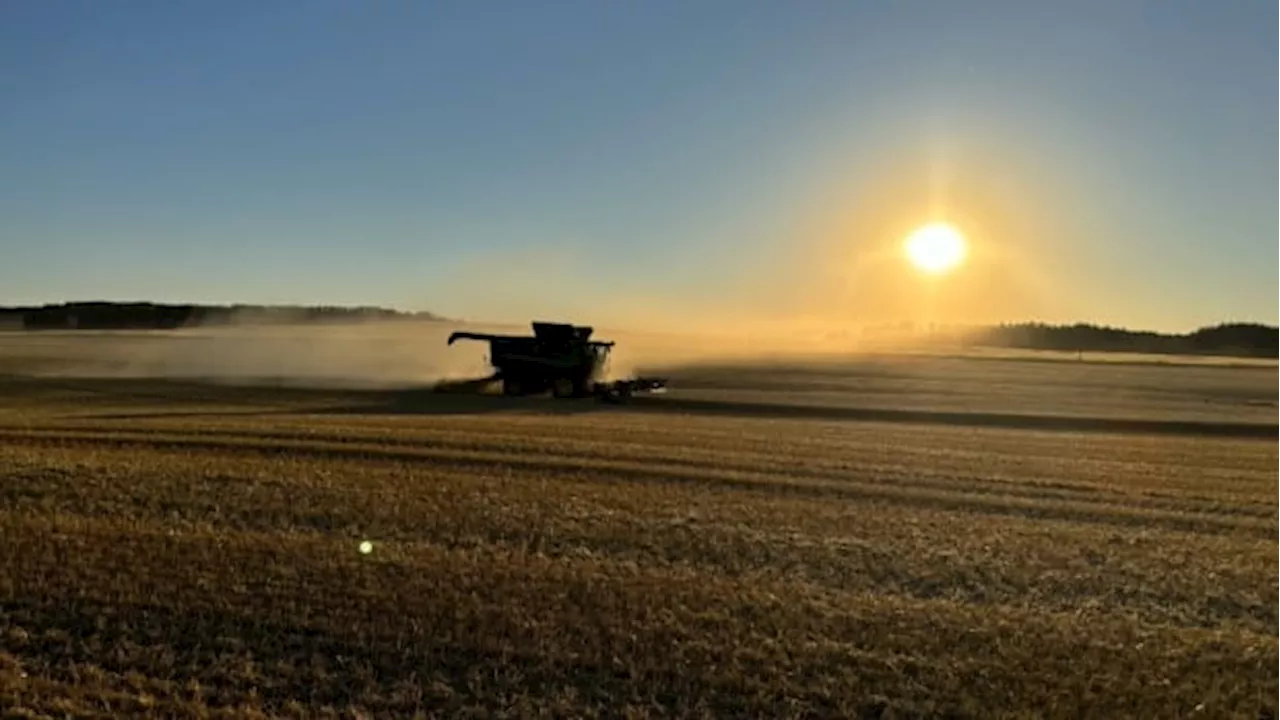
x=559, y=357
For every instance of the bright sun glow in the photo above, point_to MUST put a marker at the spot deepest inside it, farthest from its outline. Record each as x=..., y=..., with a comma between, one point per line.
x=936, y=248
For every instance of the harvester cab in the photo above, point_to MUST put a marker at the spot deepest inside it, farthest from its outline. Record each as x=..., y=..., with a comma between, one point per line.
x=559, y=357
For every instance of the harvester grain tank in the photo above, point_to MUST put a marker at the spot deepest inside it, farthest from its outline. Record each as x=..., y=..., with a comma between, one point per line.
x=560, y=358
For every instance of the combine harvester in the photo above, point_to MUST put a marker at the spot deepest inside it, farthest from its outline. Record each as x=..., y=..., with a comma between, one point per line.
x=560, y=358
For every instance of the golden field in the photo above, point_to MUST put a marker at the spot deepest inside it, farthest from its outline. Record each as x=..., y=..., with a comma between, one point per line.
x=922, y=537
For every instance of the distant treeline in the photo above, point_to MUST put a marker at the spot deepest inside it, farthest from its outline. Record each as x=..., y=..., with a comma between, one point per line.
x=153, y=316
x=1234, y=339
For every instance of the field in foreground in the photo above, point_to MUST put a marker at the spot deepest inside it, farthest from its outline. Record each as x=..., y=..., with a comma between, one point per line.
x=182, y=550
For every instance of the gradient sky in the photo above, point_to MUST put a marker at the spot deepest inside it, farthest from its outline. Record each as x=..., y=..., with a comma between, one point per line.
x=1119, y=158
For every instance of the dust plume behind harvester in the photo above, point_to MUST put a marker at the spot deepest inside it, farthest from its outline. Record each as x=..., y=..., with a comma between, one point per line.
x=560, y=358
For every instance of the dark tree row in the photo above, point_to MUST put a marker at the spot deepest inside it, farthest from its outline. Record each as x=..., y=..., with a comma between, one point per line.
x=1238, y=339
x=137, y=316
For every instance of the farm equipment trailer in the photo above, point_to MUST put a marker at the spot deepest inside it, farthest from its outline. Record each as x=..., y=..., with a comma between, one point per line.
x=560, y=358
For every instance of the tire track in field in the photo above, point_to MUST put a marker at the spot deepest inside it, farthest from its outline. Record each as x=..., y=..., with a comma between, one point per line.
x=689, y=456
x=951, y=499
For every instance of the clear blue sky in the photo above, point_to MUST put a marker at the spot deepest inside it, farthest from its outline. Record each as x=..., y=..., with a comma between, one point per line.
x=392, y=153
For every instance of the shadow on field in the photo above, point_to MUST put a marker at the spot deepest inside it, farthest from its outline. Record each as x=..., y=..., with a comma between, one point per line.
x=1061, y=423
x=139, y=399
x=451, y=401
x=436, y=402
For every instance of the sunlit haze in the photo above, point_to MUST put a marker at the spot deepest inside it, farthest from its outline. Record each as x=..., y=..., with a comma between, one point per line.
x=653, y=164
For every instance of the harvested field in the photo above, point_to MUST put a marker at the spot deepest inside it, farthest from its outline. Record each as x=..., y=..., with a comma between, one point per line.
x=179, y=549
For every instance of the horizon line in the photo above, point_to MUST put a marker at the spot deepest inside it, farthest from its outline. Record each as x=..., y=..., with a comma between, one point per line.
x=442, y=318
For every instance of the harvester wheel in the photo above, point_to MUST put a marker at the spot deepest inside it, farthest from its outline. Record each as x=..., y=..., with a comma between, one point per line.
x=563, y=387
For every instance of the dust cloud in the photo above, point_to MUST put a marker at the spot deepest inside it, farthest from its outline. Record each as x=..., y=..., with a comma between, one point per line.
x=368, y=355
x=372, y=354
x=743, y=320
x=835, y=284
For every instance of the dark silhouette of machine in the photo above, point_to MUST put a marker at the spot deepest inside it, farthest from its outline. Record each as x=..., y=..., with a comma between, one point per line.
x=560, y=358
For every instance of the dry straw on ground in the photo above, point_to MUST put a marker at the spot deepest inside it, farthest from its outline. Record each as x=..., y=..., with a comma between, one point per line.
x=189, y=551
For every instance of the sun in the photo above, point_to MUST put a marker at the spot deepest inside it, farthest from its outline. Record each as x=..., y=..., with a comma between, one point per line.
x=936, y=248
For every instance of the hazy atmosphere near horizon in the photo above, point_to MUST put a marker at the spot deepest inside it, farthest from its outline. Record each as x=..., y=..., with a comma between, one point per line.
x=647, y=163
